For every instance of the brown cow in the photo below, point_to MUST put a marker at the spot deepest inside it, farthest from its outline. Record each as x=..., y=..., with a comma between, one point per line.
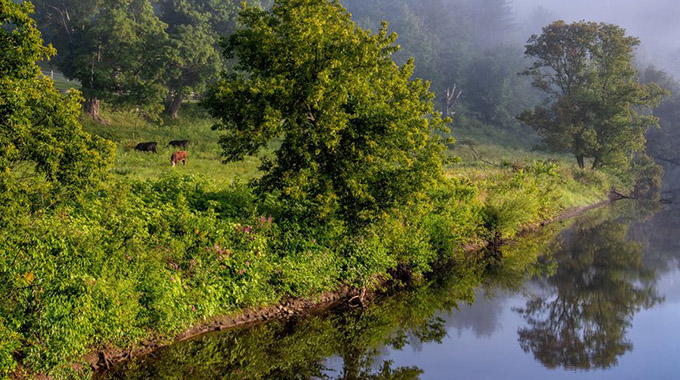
x=179, y=156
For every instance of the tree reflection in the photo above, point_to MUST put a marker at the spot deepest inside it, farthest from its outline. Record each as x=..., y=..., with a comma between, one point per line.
x=580, y=318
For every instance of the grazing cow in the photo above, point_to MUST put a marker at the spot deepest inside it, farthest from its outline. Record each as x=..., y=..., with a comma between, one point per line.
x=179, y=156
x=147, y=147
x=179, y=143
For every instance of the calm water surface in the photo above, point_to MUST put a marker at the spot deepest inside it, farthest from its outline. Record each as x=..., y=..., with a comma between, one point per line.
x=594, y=298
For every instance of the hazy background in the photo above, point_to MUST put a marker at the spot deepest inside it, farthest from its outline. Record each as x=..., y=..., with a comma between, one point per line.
x=655, y=22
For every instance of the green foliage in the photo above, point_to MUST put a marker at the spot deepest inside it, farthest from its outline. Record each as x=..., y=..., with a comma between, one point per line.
x=357, y=134
x=529, y=195
x=355, y=339
x=43, y=149
x=116, y=49
x=596, y=103
x=467, y=43
x=356, y=191
x=9, y=345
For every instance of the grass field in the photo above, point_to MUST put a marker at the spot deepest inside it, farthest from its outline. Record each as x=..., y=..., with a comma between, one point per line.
x=62, y=83
x=128, y=129
x=484, y=153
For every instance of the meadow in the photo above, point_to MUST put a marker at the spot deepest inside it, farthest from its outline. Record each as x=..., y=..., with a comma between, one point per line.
x=480, y=153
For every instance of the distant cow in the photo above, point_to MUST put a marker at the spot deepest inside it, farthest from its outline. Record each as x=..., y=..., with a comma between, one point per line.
x=147, y=147
x=179, y=156
x=179, y=143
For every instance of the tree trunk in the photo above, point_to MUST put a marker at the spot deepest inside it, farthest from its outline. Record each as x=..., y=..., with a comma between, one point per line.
x=581, y=162
x=92, y=107
x=173, y=106
x=596, y=163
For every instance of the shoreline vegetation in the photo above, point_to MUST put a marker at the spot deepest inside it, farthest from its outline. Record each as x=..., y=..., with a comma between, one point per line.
x=145, y=261
x=345, y=297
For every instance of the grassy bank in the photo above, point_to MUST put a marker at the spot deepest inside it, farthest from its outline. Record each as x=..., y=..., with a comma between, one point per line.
x=159, y=249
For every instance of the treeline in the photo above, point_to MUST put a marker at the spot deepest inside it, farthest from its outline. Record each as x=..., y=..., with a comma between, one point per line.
x=153, y=55
x=139, y=54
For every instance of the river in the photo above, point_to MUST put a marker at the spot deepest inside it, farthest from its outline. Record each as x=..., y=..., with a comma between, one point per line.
x=597, y=297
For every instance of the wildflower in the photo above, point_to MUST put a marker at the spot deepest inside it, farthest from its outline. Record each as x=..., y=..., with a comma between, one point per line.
x=193, y=308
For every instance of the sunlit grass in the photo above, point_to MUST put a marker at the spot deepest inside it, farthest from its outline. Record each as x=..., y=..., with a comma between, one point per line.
x=204, y=152
x=486, y=154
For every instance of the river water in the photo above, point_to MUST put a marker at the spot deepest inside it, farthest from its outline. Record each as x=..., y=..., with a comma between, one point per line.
x=597, y=297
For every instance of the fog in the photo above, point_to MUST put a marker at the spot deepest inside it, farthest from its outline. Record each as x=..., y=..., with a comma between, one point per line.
x=655, y=22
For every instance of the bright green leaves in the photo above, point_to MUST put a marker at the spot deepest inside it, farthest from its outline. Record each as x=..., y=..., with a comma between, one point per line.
x=358, y=136
x=596, y=102
x=41, y=139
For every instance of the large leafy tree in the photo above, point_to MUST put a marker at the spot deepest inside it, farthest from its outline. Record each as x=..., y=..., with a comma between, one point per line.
x=358, y=137
x=596, y=104
x=116, y=48
x=194, y=61
x=41, y=139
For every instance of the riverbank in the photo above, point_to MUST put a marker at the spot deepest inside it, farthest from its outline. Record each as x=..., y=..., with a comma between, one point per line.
x=144, y=261
x=293, y=308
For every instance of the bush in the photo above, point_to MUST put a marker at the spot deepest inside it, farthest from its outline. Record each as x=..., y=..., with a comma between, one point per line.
x=9, y=345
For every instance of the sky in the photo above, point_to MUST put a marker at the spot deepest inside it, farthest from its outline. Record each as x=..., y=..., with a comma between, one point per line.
x=655, y=22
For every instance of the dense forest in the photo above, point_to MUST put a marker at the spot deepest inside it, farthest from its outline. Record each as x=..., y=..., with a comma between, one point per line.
x=322, y=154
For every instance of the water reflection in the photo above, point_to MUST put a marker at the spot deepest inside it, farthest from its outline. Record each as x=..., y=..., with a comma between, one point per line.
x=575, y=292
x=580, y=317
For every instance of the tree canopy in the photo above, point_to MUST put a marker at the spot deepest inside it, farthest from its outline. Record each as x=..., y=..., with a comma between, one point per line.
x=358, y=137
x=116, y=49
x=596, y=105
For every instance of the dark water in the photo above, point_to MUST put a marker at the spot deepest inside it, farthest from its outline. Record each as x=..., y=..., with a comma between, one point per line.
x=594, y=298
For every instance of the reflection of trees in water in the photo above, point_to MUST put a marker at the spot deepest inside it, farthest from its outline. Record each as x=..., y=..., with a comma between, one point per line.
x=280, y=350
x=581, y=319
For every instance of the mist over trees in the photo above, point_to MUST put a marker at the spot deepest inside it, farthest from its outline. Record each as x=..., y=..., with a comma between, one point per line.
x=153, y=56
x=472, y=45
